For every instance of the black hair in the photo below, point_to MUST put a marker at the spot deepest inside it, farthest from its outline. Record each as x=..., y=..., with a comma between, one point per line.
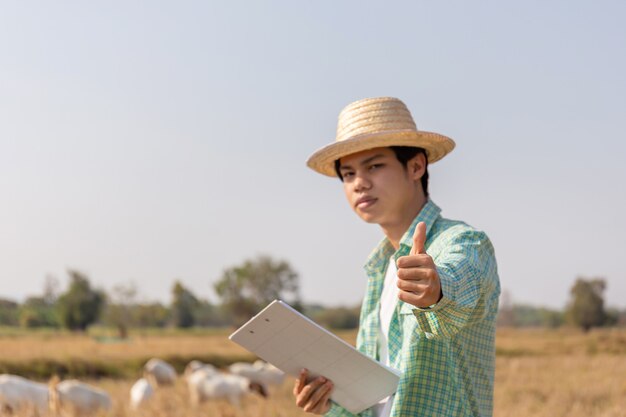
x=403, y=154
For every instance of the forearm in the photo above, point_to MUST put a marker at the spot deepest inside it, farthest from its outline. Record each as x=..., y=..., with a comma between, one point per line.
x=468, y=276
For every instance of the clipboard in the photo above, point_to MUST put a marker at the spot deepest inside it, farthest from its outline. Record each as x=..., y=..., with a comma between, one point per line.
x=291, y=341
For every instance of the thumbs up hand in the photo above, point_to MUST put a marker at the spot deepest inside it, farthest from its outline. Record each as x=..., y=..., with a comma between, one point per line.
x=418, y=279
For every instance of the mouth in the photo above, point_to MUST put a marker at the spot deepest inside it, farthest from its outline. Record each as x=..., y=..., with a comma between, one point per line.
x=365, y=202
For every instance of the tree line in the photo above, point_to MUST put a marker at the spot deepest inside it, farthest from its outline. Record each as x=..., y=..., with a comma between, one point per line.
x=243, y=290
x=585, y=309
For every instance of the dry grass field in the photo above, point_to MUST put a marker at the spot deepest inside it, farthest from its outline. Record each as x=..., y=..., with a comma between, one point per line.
x=65, y=345
x=539, y=372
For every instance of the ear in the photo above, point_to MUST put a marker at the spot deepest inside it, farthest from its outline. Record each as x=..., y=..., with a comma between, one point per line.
x=416, y=166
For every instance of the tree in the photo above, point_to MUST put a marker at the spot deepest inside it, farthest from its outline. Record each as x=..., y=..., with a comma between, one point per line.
x=184, y=306
x=81, y=305
x=586, y=305
x=38, y=312
x=338, y=317
x=41, y=311
x=119, y=309
x=9, y=312
x=50, y=289
x=247, y=288
x=532, y=316
x=150, y=315
x=209, y=315
x=506, y=313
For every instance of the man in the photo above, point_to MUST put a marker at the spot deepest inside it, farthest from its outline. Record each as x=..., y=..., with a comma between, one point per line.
x=433, y=287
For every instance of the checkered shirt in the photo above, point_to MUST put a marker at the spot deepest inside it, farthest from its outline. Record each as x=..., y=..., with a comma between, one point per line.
x=446, y=352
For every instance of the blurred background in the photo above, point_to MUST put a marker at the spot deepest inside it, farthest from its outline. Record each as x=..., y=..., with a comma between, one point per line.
x=152, y=165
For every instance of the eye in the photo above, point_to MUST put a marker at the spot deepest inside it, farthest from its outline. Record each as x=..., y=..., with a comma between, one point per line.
x=374, y=167
x=347, y=175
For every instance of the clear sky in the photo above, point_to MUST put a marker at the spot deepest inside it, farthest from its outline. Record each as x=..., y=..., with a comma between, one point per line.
x=152, y=140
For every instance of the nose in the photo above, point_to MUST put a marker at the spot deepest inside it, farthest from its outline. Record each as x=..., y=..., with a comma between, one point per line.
x=361, y=183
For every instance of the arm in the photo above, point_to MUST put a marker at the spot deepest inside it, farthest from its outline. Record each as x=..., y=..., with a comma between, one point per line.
x=450, y=292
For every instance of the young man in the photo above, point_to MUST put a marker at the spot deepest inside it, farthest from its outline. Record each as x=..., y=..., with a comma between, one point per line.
x=433, y=287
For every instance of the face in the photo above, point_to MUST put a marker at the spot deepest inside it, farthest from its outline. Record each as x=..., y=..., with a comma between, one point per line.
x=379, y=189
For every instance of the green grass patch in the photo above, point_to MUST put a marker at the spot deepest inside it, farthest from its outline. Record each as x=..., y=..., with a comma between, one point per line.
x=43, y=369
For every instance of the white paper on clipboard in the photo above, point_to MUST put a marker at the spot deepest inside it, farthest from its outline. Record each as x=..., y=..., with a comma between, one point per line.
x=291, y=341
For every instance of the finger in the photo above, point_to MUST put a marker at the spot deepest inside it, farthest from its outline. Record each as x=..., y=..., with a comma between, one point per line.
x=414, y=261
x=320, y=397
x=420, y=300
x=409, y=297
x=323, y=405
x=416, y=274
x=300, y=382
x=419, y=239
x=425, y=297
x=309, y=389
x=414, y=286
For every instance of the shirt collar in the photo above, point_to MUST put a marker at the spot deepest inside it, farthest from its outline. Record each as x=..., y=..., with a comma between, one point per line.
x=428, y=214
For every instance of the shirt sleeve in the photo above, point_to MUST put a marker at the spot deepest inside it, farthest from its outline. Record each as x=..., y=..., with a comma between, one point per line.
x=338, y=411
x=468, y=274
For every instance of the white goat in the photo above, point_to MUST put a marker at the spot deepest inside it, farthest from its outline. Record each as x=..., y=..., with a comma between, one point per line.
x=75, y=398
x=274, y=375
x=140, y=393
x=205, y=386
x=18, y=393
x=162, y=372
x=261, y=372
x=196, y=365
x=194, y=378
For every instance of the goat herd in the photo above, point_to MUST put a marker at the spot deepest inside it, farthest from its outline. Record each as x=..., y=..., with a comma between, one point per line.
x=76, y=398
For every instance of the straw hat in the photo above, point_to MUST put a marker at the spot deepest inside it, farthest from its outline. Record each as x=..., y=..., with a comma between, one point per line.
x=374, y=123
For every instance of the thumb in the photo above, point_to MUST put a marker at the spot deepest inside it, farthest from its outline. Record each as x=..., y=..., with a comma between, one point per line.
x=419, y=239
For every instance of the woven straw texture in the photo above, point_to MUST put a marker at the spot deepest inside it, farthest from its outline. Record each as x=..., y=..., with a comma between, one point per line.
x=374, y=123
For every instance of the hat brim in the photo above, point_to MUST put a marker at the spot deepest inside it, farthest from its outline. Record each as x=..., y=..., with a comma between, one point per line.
x=437, y=146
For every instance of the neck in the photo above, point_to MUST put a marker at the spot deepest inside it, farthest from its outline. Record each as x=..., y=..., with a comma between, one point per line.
x=395, y=231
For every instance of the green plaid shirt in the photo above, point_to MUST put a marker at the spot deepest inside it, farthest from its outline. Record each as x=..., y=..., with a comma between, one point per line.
x=446, y=352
